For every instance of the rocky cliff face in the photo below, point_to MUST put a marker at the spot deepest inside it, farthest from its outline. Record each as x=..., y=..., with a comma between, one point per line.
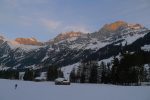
x=65, y=36
x=114, y=26
x=28, y=41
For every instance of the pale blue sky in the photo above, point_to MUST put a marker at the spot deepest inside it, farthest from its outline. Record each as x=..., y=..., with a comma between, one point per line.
x=44, y=19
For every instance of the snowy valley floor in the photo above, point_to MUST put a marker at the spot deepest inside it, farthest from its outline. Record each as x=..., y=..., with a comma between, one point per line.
x=49, y=91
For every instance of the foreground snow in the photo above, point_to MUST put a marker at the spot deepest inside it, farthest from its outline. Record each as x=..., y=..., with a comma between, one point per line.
x=49, y=91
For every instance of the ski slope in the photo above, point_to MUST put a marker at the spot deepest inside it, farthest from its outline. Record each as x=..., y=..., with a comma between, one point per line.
x=48, y=91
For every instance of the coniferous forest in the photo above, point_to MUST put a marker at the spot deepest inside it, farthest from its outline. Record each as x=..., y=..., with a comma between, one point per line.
x=127, y=70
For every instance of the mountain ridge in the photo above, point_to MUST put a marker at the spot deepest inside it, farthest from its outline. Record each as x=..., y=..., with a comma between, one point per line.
x=107, y=28
x=69, y=48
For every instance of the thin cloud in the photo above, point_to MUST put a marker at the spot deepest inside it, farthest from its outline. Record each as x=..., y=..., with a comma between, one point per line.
x=25, y=21
x=50, y=24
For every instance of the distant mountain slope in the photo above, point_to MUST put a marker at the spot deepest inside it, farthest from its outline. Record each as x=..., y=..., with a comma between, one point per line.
x=72, y=47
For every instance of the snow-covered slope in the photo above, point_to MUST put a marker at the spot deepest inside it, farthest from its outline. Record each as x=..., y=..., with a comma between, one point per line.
x=146, y=48
x=48, y=91
x=67, y=69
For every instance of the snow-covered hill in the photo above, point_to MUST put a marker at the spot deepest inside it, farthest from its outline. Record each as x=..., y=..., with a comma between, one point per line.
x=48, y=91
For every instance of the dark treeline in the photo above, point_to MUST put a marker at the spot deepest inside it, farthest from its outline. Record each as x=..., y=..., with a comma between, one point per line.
x=128, y=69
x=11, y=74
x=53, y=72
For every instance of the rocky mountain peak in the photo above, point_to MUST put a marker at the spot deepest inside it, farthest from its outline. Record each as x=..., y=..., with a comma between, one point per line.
x=119, y=25
x=117, y=29
x=67, y=35
x=114, y=26
x=28, y=41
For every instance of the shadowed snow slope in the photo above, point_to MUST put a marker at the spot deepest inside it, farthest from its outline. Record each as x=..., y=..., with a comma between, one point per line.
x=49, y=91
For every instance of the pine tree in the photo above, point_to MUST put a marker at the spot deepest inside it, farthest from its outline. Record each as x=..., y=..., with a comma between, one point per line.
x=108, y=74
x=145, y=75
x=114, y=71
x=29, y=75
x=52, y=73
x=100, y=72
x=93, y=74
x=140, y=73
x=148, y=76
x=104, y=72
x=60, y=73
x=16, y=74
x=73, y=76
x=79, y=73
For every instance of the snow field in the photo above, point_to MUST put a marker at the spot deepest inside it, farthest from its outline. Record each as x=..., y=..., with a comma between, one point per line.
x=48, y=91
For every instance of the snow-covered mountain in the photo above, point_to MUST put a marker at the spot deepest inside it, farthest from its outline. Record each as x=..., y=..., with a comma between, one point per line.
x=70, y=47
